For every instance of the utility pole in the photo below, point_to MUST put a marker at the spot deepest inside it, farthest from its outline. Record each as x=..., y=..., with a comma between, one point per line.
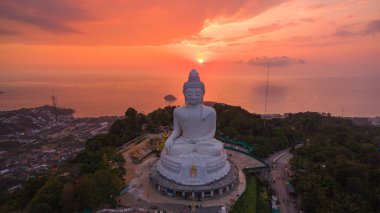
x=266, y=96
x=54, y=103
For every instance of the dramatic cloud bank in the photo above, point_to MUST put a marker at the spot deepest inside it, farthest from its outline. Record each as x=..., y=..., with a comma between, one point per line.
x=122, y=21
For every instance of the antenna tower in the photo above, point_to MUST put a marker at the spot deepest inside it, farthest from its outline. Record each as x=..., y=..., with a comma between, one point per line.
x=54, y=103
x=266, y=95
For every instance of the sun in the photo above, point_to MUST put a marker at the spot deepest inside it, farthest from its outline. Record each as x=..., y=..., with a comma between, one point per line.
x=201, y=60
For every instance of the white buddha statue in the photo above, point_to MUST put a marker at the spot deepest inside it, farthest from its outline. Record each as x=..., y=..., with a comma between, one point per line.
x=192, y=156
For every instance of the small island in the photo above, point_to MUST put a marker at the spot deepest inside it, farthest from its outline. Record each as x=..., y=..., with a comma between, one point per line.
x=170, y=98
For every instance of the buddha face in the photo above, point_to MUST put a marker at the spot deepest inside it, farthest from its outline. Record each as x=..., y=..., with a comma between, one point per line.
x=193, y=96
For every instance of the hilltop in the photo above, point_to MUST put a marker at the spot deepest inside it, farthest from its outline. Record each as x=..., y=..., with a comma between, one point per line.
x=335, y=153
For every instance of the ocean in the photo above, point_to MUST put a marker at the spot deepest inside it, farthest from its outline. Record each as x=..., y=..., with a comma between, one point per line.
x=99, y=95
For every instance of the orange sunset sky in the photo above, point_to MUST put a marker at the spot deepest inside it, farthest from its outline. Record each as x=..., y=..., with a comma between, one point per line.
x=45, y=40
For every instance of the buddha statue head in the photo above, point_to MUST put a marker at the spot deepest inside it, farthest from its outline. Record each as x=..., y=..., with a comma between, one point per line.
x=193, y=89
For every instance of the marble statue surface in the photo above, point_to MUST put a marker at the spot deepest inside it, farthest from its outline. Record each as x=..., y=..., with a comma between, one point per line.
x=192, y=156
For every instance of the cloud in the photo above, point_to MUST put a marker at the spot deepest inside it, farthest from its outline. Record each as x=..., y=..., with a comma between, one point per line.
x=126, y=22
x=308, y=20
x=277, y=26
x=344, y=33
x=317, y=7
x=373, y=27
x=275, y=61
x=300, y=38
x=8, y=32
x=370, y=28
x=53, y=16
x=265, y=29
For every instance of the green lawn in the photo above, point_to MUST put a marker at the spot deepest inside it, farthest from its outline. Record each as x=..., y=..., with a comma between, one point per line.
x=248, y=200
x=254, y=199
x=263, y=199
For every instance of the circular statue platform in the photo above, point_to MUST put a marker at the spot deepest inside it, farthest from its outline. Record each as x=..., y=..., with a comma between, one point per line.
x=208, y=191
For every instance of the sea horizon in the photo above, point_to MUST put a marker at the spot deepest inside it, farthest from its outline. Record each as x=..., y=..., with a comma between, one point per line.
x=100, y=96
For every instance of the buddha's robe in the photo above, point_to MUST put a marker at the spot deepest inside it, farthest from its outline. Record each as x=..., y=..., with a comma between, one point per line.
x=194, y=131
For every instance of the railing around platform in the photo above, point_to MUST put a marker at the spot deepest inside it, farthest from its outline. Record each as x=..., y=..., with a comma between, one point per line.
x=135, y=140
x=249, y=155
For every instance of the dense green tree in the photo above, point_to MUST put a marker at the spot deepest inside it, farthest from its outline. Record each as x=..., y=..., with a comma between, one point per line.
x=131, y=113
x=30, y=187
x=335, y=171
x=18, y=200
x=131, y=126
x=67, y=199
x=47, y=198
x=99, y=189
x=160, y=117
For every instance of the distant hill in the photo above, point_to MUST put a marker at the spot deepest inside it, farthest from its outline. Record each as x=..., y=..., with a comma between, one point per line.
x=210, y=103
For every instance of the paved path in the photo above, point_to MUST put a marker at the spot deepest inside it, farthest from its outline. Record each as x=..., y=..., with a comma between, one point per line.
x=280, y=161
